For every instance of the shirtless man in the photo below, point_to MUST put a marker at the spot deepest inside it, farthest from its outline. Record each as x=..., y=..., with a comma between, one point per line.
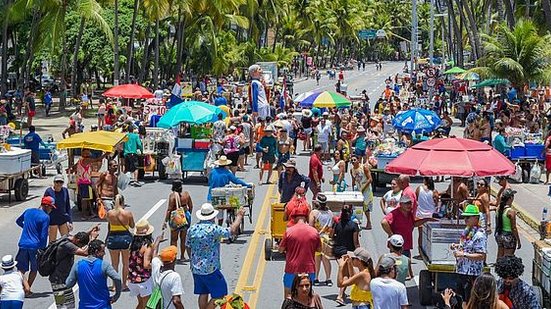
x=106, y=187
x=504, y=183
x=460, y=191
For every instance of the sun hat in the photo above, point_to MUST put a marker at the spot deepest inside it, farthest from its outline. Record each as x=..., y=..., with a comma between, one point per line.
x=387, y=262
x=269, y=129
x=291, y=163
x=360, y=254
x=325, y=114
x=396, y=240
x=8, y=262
x=168, y=254
x=59, y=177
x=223, y=161
x=207, y=212
x=306, y=113
x=405, y=199
x=321, y=199
x=507, y=194
x=48, y=201
x=471, y=211
x=143, y=228
x=361, y=129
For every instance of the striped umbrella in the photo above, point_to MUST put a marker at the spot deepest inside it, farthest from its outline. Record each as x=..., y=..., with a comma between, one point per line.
x=303, y=96
x=325, y=99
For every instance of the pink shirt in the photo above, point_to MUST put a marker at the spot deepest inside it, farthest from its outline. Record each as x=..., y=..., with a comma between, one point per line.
x=300, y=242
x=402, y=224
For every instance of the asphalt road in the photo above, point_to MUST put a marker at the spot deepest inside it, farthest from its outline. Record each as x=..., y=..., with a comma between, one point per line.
x=243, y=262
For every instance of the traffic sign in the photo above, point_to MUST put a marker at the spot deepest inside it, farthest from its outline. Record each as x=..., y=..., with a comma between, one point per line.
x=381, y=33
x=431, y=82
x=367, y=34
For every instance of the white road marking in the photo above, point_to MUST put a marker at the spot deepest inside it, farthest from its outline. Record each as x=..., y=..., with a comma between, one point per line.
x=144, y=217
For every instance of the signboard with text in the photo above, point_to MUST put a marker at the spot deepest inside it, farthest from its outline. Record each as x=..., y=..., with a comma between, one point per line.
x=154, y=109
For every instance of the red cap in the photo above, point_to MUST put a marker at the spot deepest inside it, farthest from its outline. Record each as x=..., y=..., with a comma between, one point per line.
x=48, y=201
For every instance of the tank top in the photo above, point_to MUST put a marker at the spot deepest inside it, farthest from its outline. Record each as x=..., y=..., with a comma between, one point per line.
x=232, y=144
x=323, y=221
x=358, y=295
x=425, y=202
x=83, y=173
x=336, y=170
x=137, y=273
x=359, y=176
x=93, y=290
x=506, y=221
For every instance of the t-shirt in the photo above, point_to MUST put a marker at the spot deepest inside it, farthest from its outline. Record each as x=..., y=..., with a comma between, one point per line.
x=344, y=236
x=315, y=165
x=220, y=101
x=270, y=143
x=133, y=143
x=31, y=102
x=324, y=131
x=300, y=242
x=172, y=282
x=388, y=293
x=402, y=267
x=62, y=213
x=11, y=283
x=35, y=223
x=65, y=257
x=32, y=141
x=402, y=224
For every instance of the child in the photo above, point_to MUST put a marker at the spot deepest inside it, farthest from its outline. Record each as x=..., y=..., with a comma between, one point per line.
x=12, y=284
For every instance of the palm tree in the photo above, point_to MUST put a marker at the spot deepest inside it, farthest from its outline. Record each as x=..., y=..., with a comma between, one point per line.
x=520, y=55
x=155, y=11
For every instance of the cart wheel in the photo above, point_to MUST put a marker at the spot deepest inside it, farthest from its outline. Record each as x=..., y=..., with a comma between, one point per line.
x=268, y=246
x=79, y=202
x=21, y=189
x=242, y=226
x=43, y=170
x=539, y=294
x=425, y=288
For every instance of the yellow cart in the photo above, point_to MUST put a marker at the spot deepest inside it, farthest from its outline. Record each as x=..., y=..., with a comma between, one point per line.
x=277, y=230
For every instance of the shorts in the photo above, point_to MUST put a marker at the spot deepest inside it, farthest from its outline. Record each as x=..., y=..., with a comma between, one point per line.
x=288, y=279
x=108, y=202
x=308, y=131
x=31, y=114
x=213, y=284
x=11, y=304
x=35, y=157
x=63, y=296
x=118, y=240
x=361, y=307
x=246, y=150
x=283, y=158
x=26, y=259
x=85, y=191
x=548, y=162
x=131, y=162
x=339, y=251
x=506, y=240
x=324, y=146
x=141, y=289
x=234, y=157
x=268, y=159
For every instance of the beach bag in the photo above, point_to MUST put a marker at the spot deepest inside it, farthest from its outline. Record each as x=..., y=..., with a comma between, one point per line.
x=535, y=173
x=517, y=176
x=156, y=299
x=102, y=212
x=123, y=180
x=180, y=217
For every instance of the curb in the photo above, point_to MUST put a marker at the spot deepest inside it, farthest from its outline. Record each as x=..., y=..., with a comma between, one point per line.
x=522, y=213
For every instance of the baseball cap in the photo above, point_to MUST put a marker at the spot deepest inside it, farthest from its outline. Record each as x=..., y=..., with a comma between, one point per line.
x=471, y=210
x=507, y=194
x=405, y=199
x=396, y=240
x=168, y=254
x=360, y=254
x=48, y=201
x=59, y=177
x=387, y=262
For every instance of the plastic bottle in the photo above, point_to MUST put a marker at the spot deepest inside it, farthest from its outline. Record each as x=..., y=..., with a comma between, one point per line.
x=544, y=214
x=543, y=224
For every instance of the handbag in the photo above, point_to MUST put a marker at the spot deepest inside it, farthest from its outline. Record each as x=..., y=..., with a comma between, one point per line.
x=156, y=299
x=180, y=217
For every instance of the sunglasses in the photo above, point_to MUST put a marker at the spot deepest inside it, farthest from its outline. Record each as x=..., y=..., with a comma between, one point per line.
x=481, y=184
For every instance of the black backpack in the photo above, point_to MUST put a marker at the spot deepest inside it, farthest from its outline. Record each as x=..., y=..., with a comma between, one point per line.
x=46, y=258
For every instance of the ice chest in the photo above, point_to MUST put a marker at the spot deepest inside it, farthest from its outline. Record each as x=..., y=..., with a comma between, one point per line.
x=201, y=144
x=382, y=161
x=535, y=151
x=518, y=152
x=437, y=238
x=14, y=161
x=229, y=195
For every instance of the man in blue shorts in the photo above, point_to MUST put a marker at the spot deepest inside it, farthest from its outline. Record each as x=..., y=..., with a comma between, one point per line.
x=203, y=238
x=36, y=224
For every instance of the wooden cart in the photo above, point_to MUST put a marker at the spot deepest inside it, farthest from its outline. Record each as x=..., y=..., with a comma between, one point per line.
x=18, y=183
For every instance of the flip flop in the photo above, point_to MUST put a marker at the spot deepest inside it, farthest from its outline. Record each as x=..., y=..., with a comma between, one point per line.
x=340, y=302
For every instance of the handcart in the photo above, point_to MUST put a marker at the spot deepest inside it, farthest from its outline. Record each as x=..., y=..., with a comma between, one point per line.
x=194, y=161
x=335, y=201
x=15, y=170
x=230, y=198
x=277, y=230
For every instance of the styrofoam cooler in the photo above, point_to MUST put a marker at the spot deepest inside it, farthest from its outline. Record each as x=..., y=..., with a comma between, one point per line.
x=437, y=238
x=517, y=152
x=15, y=161
x=382, y=161
x=546, y=270
x=536, y=151
x=224, y=195
x=184, y=143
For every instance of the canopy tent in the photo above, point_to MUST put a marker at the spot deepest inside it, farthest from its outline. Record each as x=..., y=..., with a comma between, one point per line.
x=194, y=112
x=97, y=140
x=455, y=70
x=451, y=157
x=128, y=91
x=416, y=120
x=492, y=82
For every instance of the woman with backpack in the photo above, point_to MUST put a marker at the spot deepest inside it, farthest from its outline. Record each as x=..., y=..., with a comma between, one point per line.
x=179, y=203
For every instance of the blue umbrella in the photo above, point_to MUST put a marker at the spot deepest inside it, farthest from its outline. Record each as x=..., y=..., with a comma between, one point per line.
x=190, y=112
x=416, y=120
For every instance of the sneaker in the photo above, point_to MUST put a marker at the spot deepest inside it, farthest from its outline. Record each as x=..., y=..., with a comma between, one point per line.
x=329, y=283
x=316, y=282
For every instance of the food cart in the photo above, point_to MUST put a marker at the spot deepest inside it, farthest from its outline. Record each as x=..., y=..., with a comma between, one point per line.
x=157, y=145
x=15, y=170
x=230, y=198
x=527, y=149
x=384, y=153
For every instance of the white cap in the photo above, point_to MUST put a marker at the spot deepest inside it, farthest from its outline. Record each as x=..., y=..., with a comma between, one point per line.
x=396, y=240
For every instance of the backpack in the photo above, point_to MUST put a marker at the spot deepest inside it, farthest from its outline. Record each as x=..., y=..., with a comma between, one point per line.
x=46, y=258
x=156, y=299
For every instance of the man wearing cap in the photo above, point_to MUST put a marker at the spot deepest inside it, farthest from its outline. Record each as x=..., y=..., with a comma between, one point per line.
x=387, y=292
x=35, y=223
x=395, y=243
x=169, y=281
x=60, y=217
x=290, y=180
x=470, y=253
x=203, y=239
x=402, y=221
x=268, y=144
x=300, y=244
x=91, y=274
x=257, y=93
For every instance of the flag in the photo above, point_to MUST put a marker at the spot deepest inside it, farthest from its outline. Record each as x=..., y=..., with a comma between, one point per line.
x=176, y=94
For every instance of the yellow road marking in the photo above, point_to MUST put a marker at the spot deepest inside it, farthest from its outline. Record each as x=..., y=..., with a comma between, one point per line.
x=259, y=230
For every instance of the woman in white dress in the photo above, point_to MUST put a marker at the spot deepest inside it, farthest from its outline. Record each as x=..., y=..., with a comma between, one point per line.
x=427, y=199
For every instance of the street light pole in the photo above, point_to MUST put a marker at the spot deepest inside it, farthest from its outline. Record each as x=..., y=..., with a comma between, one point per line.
x=431, y=34
x=413, y=33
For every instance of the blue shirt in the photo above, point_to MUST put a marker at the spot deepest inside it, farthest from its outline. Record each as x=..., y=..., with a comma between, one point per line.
x=35, y=223
x=32, y=141
x=62, y=213
x=221, y=176
x=286, y=186
x=220, y=101
x=204, y=239
x=133, y=143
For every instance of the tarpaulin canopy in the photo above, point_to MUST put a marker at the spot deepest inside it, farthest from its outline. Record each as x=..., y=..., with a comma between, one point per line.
x=128, y=91
x=451, y=157
x=492, y=82
x=98, y=140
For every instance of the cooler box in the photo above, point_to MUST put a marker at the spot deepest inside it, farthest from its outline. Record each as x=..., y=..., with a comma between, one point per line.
x=382, y=161
x=518, y=152
x=201, y=144
x=15, y=161
x=436, y=240
x=535, y=151
x=234, y=195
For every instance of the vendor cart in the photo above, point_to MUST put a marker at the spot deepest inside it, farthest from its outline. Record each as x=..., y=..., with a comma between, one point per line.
x=15, y=170
x=277, y=230
x=541, y=271
x=229, y=198
x=157, y=145
x=335, y=201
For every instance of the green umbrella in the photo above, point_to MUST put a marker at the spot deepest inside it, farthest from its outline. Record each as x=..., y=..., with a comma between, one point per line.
x=455, y=70
x=194, y=112
x=492, y=82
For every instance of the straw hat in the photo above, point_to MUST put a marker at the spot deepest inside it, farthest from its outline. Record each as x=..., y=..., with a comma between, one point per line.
x=207, y=212
x=306, y=113
x=223, y=161
x=143, y=228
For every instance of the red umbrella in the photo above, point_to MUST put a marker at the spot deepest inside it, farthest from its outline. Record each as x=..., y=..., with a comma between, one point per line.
x=451, y=157
x=129, y=91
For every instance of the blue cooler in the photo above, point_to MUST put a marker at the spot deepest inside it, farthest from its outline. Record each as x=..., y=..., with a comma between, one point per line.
x=518, y=152
x=535, y=151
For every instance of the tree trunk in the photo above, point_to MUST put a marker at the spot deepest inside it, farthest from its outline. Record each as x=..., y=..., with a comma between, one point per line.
x=63, y=95
x=456, y=33
x=473, y=29
x=75, y=70
x=275, y=39
x=4, y=66
x=27, y=62
x=546, y=6
x=129, y=59
x=157, y=49
x=509, y=13
x=179, y=43
x=145, y=61
x=116, y=70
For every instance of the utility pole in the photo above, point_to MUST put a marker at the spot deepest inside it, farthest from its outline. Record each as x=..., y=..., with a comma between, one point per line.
x=413, y=34
x=431, y=34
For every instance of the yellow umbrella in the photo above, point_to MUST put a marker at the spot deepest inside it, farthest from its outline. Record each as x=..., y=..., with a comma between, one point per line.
x=99, y=140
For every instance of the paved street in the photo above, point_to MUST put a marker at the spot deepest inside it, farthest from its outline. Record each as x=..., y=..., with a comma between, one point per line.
x=243, y=262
